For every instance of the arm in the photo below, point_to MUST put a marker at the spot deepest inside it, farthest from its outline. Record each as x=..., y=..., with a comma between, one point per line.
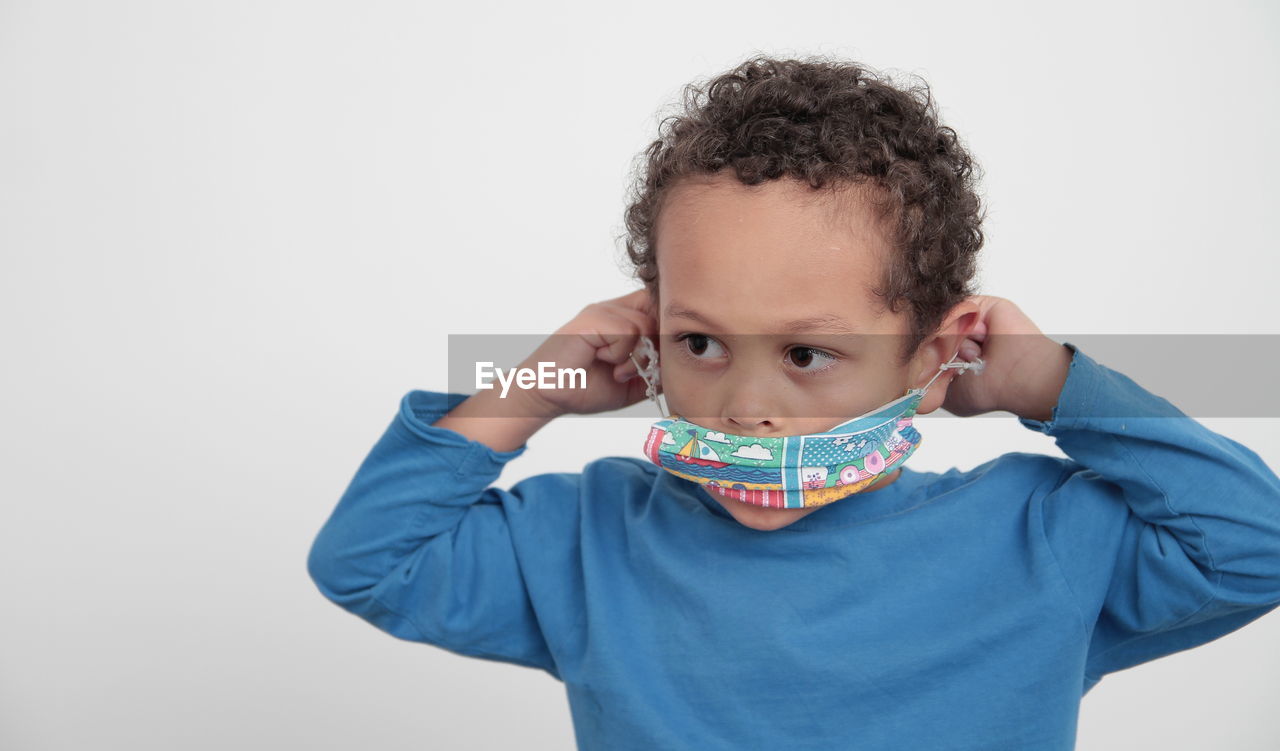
x=1168, y=533
x=422, y=547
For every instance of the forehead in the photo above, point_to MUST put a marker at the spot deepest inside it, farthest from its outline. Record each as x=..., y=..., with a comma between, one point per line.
x=773, y=252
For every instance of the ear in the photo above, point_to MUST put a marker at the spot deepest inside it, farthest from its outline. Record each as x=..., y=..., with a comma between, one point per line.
x=939, y=349
x=646, y=356
x=652, y=310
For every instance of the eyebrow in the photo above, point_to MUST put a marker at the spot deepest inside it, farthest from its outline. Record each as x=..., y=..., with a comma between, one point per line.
x=826, y=322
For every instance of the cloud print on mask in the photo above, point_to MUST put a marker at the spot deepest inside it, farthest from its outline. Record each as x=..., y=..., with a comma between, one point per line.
x=754, y=451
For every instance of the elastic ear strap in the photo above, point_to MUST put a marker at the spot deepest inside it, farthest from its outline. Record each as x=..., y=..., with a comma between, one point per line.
x=649, y=372
x=977, y=365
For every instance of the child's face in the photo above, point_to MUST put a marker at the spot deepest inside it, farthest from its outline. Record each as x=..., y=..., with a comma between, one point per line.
x=746, y=260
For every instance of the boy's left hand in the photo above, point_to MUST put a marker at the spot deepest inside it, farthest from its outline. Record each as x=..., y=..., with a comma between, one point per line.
x=1024, y=370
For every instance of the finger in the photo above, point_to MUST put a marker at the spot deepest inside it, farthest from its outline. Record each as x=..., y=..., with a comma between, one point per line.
x=643, y=323
x=979, y=333
x=640, y=325
x=641, y=320
x=625, y=370
x=618, y=347
x=612, y=330
x=639, y=301
x=637, y=391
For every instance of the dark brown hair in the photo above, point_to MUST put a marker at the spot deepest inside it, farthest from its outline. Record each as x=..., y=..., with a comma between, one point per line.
x=833, y=124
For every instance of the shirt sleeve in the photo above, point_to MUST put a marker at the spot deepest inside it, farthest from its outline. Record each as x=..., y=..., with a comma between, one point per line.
x=1168, y=534
x=421, y=546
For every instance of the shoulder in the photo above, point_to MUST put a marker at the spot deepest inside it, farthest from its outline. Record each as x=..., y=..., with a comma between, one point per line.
x=620, y=469
x=611, y=476
x=1015, y=469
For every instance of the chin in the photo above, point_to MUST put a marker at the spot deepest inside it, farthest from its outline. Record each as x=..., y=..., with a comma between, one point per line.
x=762, y=518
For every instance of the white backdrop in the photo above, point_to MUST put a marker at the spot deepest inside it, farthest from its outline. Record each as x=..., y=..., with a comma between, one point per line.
x=233, y=234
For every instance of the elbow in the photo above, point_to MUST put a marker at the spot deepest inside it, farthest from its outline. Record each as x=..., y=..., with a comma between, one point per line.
x=1269, y=524
x=335, y=580
x=339, y=573
x=1252, y=576
x=320, y=567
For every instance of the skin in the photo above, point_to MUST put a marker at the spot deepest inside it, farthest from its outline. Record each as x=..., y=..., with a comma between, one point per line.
x=726, y=362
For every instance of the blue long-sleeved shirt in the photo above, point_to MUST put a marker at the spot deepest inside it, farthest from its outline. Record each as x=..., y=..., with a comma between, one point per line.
x=954, y=610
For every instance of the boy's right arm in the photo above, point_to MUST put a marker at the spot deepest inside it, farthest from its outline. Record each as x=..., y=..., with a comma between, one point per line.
x=423, y=548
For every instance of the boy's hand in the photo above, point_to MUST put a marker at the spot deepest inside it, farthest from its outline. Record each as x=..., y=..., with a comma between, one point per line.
x=1024, y=370
x=599, y=340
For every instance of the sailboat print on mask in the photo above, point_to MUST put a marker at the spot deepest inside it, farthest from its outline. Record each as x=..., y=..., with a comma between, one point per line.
x=701, y=454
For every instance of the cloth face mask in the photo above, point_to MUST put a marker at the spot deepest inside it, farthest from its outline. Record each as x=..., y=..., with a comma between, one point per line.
x=798, y=471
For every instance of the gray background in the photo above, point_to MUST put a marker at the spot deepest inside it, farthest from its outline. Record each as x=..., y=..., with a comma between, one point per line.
x=234, y=234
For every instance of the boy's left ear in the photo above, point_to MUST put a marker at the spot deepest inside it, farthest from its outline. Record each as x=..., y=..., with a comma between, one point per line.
x=943, y=347
x=967, y=315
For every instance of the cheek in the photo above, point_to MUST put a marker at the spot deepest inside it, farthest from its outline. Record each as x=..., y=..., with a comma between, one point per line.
x=685, y=390
x=836, y=404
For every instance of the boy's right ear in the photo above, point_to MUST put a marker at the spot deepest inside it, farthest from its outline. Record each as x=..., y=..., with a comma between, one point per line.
x=647, y=351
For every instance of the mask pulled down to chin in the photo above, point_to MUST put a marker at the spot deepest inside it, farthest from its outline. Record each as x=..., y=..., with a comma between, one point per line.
x=795, y=471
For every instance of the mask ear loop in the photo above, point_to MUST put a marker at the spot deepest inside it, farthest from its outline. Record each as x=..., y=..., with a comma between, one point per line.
x=977, y=366
x=649, y=372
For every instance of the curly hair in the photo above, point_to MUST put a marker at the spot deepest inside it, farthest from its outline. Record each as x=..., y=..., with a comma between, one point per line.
x=835, y=125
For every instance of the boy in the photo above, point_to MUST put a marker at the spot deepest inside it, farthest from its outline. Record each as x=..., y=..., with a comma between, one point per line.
x=955, y=610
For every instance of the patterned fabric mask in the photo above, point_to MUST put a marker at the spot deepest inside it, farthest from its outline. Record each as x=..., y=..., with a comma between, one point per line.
x=798, y=471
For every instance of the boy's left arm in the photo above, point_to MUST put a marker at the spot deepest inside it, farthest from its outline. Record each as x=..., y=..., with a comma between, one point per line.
x=1168, y=533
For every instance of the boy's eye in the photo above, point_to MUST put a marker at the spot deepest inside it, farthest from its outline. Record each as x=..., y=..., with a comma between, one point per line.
x=810, y=356
x=696, y=344
x=806, y=359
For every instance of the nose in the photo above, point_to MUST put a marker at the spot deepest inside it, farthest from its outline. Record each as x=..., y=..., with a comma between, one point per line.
x=751, y=425
x=749, y=410
x=750, y=392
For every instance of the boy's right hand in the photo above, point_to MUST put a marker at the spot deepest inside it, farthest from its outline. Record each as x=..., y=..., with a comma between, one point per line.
x=599, y=340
